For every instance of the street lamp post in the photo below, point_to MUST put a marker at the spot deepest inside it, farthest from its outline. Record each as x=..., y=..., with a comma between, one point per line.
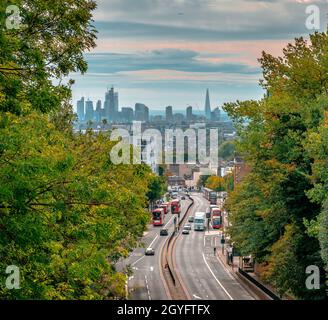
x=222, y=243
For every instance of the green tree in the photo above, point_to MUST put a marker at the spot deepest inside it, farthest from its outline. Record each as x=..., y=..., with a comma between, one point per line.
x=227, y=150
x=67, y=213
x=215, y=183
x=157, y=188
x=47, y=46
x=202, y=180
x=286, y=181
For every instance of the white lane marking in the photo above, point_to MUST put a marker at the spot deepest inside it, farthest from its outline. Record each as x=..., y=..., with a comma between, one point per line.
x=197, y=297
x=135, y=262
x=168, y=223
x=148, y=292
x=127, y=288
x=221, y=263
x=220, y=284
x=153, y=242
x=151, y=268
x=225, y=268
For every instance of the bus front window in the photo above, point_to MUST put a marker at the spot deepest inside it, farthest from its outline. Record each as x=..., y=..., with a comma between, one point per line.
x=156, y=215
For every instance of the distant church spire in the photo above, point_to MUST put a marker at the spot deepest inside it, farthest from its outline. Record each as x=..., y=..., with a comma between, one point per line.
x=208, y=105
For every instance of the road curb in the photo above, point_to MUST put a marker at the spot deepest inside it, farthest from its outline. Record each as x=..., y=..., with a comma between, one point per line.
x=166, y=288
x=249, y=287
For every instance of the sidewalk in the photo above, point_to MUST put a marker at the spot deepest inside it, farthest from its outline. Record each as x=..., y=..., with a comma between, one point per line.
x=233, y=269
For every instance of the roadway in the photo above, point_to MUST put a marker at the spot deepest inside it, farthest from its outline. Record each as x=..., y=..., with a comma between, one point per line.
x=203, y=274
x=146, y=282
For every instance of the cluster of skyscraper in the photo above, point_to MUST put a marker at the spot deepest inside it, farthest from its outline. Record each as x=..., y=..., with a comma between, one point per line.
x=214, y=115
x=110, y=111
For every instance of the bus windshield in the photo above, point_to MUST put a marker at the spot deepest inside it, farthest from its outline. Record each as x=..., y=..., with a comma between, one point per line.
x=156, y=215
x=217, y=221
x=199, y=221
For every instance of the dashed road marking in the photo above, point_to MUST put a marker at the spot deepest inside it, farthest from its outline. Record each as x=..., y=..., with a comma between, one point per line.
x=147, y=287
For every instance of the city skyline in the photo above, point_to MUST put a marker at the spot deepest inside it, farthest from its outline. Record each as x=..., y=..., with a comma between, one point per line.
x=110, y=110
x=168, y=52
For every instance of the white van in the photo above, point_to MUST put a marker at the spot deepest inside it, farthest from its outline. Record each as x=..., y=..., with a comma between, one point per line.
x=199, y=222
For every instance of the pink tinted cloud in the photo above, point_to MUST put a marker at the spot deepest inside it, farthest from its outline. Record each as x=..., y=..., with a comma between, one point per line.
x=246, y=52
x=173, y=75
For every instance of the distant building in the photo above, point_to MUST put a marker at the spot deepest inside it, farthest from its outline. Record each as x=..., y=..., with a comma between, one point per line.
x=176, y=181
x=127, y=115
x=178, y=118
x=89, y=112
x=148, y=151
x=141, y=112
x=157, y=118
x=207, y=106
x=169, y=114
x=216, y=114
x=111, y=105
x=116, y=107
x=80, y=109
x=240, y=170
x=189, y=114
x=98, y=112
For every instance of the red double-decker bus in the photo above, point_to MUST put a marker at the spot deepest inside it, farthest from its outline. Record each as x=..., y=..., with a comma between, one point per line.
x=158, y=217
x=216, y=218
x=165, y=206
x=175, y=206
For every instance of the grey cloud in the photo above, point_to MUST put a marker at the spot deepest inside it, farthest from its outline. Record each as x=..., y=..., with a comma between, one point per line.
x=153, y=31
x=179, y=60
x=205, y=19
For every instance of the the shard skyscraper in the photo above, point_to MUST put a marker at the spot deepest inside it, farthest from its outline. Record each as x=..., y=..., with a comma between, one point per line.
x=208, y=106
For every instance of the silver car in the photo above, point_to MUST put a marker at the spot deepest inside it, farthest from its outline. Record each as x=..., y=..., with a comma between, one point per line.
x=185, y=231
x=150, y=252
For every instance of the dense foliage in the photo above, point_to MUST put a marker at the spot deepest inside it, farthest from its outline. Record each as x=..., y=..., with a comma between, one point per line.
x=275, y=211
x=227, y=150
x=218, y=184
x=67, y=213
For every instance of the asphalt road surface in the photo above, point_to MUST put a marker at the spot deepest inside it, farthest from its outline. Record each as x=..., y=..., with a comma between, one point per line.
x=203, y=274
x=146, y=282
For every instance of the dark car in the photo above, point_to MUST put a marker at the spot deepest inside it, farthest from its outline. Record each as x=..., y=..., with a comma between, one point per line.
x=183, y=198
x=191, y=219
x=150, y=252
x=164, y=232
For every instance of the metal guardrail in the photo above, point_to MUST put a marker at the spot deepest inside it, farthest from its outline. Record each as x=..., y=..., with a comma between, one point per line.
x=258, y=284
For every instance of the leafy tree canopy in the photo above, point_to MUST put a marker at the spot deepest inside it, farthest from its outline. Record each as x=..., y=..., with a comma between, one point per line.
x=282, y=137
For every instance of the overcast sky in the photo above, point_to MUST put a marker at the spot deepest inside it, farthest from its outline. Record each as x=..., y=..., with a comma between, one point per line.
x=167, y=52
